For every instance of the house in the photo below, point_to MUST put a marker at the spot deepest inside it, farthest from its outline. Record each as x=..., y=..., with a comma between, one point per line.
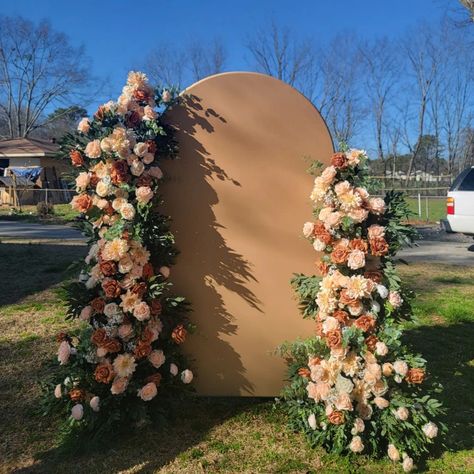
x=29, y=167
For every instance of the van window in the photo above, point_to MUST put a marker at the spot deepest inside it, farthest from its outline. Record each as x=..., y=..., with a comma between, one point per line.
x=468, y=182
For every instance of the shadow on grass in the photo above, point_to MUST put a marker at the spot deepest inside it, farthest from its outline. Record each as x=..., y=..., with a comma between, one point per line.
x=449, y=351
x=29, y=268
x=147, y=450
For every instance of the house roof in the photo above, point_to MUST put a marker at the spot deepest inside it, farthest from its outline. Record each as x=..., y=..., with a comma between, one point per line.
x=28, y=147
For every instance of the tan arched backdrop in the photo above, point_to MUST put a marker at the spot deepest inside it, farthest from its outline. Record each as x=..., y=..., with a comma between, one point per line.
x=238, y=196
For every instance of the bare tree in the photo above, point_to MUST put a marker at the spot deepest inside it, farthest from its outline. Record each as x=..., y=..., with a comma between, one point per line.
x=422, y=52
x=276, y=51
x=339, y=99
x=166, y=65
x=206, y=60
x=382, y=72
x=469, y=4
x=39, y=69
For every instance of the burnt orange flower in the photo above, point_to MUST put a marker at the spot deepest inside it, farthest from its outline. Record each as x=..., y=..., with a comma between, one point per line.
x=76, y=158
x=104, y=372
x=179, y=334
x=336, y=417
x=415, y=376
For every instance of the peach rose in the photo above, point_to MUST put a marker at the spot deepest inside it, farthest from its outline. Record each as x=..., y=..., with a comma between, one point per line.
x=343, y=402
x=148, y=392
x=402, y=414
x=82, y=180
x=149, y=113
x=336, y=417
x=356, y=445
x=395, y=299
x=308, y=229
x=144, y=194
x=377, y=205
x=93, y=149
x=119, y=385
x=157, y=358
x=358, y=215
x=137, y=168
x=86, y=313
x=393, y=453
x=376, y=231
x=400, y=367
x=328, y=175
x=155, y=172
x=381, y=402
x=334, y=338
x=125, y=331
x=140, y=149
x=407, y=464
x=141, y=311
x=430, y=430
x=304, y=372
x=111, y=288
x=84, y=125
x=340, y=253
x=379, y=247
x=333, y=220
x=127, y=211
x=387, y=369
x=381, y=348
x=64, y=352
x=173, y=369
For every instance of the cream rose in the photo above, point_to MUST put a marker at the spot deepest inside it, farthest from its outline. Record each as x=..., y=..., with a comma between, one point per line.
x=82, y=181
x=377, y=205
x=103, y=188
x=402, y=414
x=400, y=367
x=376, y=231
x=127, y=211
x=328, y=175
x=92, y=149
x=149, y=113
x=356, y=259
x=95, y=403
x=137, y=168
x=430, y=430
x=395, y=299
x=173, y=369
x=144, y=194
x=148, y=158
x=381, y=402
x=393, y=453
x=356, y=445
x=312, y=421
x=119, y=385
x=381, y=349
x=308, y=229
x=140, y=149
x=407, y=464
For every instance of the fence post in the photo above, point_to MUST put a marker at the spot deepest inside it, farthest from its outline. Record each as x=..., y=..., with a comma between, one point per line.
x=427, y=209
x=419, y=205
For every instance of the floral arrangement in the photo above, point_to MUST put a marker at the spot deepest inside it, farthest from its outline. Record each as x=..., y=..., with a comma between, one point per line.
x=128, y=353
x=354, y=386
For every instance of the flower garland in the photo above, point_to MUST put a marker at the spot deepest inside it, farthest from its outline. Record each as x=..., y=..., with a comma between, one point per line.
x=129, y=350
x=355, y=387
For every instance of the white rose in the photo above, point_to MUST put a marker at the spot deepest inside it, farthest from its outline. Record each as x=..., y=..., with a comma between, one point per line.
x=95, y=403
x=400, y=367
x=407, y=464
x=318, y=245
x=127, y=211
x=308, y=229
x=393, y=453
x=312, y=421
x=382, y=291
x=381, y=348
x=430, y=430
x=77, y=411
x=402, y=413
x=173, y=369
x=102, y=189
x=186, y=376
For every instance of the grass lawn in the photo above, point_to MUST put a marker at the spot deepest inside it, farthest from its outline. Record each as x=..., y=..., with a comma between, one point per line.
x=63, y=213
x=211, y=435
x=436, y=210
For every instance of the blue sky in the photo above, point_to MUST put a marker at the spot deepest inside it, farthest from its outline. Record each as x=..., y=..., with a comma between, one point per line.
x=118, y=34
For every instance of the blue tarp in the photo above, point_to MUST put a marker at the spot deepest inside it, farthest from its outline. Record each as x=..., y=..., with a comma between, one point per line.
x=32, y=174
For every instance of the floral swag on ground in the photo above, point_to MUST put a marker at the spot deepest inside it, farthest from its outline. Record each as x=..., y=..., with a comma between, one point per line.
x=355, y=387
x=129, y=351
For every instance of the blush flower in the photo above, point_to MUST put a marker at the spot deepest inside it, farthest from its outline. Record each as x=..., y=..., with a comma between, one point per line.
x=148, y=392
x=92, y=149
x=124, y=365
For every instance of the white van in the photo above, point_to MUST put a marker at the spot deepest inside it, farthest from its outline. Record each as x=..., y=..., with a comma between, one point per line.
x=460, y=204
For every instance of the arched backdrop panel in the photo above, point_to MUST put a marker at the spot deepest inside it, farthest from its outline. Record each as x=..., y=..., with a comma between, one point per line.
x=238, y=196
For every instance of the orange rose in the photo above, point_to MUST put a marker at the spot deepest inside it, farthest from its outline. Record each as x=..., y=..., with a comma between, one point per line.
x=100, y=114
x=111, y=288
x=365, y=322
x=82, y=202
x=155, y=307
x=147, y=336
x=76, y=158
x=379, y=247
x=319, y=329
x=358, y=244
x=145, y=180
x=346, y=299
x=104, y=372
x=98, y=305
x=154, y=378
x=141, y=95
x=139, y=289
x=304, y=372
x=112, y=345
x=179, y=334
x=370, y=342
x=336, y=417
x=77, y=394
x=415, y=376
x=341, y=316
x=339, y=254
x=314, y=361
x=339, y=160
x=143, y=349
x=323, y=268
x=374, y=276
x=94, y=179
x=334, y=338
x=147, y=271
x=120, y=172
x=108, y=268
x=320, y=232
x=99, y=337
